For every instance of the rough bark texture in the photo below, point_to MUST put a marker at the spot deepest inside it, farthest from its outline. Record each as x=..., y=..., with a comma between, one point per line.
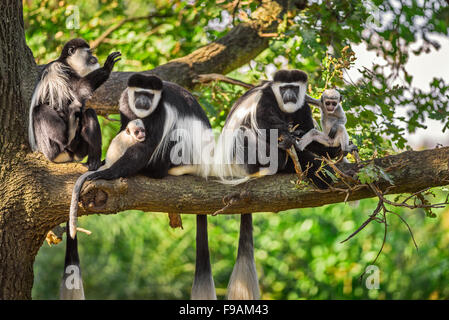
x=411, y=172
x=18, y=241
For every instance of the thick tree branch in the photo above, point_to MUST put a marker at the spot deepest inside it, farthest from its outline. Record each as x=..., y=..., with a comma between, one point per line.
x=411, y=171
x=243, y=43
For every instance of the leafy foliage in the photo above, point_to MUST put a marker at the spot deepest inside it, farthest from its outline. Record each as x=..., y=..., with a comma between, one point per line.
x=298, y=255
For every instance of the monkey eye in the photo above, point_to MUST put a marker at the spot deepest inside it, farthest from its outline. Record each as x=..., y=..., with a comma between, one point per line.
x=328, y=103
x=136, y=132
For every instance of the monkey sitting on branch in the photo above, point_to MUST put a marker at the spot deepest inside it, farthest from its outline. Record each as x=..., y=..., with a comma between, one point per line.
x=333, y=123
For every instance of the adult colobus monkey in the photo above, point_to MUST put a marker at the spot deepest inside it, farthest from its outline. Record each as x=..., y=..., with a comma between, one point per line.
x=59, y=126
x=178, y=133
x=256, y=121
x=72, y=284
x=333, y=121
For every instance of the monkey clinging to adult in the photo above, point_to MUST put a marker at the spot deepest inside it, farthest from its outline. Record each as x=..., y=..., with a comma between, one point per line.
x=59, y=125
x=254, y=126
x=333, y=121
x=72, y=284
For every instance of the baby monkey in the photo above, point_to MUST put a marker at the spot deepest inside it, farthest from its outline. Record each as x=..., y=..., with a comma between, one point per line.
x=333, y=121
x=134, y=133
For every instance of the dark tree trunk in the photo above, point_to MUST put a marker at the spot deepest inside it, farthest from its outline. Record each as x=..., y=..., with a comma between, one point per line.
x=18, y=246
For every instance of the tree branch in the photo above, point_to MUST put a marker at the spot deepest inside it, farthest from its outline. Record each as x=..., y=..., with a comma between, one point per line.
x=233, y=50
x=95, y=43
x=411, y=171
x=210, y=77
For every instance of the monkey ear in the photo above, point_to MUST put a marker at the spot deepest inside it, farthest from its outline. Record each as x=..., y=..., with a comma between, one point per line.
x=127, y=131
x=341, y=97
x=71, y=51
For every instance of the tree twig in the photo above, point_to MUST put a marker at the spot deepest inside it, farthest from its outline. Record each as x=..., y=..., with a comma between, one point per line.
x=209, y=77
x=95, y=43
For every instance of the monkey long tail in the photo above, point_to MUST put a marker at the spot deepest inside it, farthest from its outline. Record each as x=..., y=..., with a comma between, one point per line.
x=74, y=204
x=244, y=284
x=203, y=284
x=72, y=283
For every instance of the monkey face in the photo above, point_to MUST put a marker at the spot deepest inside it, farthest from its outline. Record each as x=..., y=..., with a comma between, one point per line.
x=143, y=99
x=82, y=60
x=143, y=102
x=290, y=96
x=330, y=105
x=330, y=100
x=136, y=129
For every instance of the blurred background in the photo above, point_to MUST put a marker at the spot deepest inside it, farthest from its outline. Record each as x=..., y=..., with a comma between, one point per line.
x=389, y=58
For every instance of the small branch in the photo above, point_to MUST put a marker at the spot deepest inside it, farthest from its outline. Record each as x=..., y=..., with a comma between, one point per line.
x=95, y=43
x=233, y=199
x=367, y=221
x=175, y=220
x=206, y=78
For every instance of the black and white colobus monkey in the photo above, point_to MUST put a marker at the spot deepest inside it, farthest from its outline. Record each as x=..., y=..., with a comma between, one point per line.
x=72, y=284
x=59, y=126
x=333, y=123
x=178, y=133
x=279, y=104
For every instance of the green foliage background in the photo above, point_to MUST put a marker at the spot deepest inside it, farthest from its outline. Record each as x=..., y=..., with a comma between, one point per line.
x=135, y=255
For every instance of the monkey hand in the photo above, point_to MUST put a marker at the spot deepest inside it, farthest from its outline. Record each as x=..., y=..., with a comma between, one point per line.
x=93, y=164
x=111, y=60
x=285, y=141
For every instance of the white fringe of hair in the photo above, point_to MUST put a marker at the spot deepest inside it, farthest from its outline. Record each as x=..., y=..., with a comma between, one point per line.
x=52, y=88
x=228, y=165
x=192, y=136
x=132, y=106
x=290, y=107
x=244, y=283
x=78, y=62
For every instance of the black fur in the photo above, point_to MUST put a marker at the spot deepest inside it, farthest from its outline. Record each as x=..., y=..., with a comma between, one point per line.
x=136, y=158
x=290, y=76
x=146, y=82
x=51, y=125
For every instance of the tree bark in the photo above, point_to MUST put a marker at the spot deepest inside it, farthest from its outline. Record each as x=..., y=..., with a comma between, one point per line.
x=411, y=171
x=18, y=198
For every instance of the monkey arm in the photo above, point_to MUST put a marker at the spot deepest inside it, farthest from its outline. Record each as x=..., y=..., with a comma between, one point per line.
x=132, y=162
x=313, y=135
x=333, y=132
x=96, y=78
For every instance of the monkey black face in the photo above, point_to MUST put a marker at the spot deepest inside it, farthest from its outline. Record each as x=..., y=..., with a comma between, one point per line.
x=289, y=88
x=78, y=55
x=136, y=129
x=144, y=93
x=330, y=100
